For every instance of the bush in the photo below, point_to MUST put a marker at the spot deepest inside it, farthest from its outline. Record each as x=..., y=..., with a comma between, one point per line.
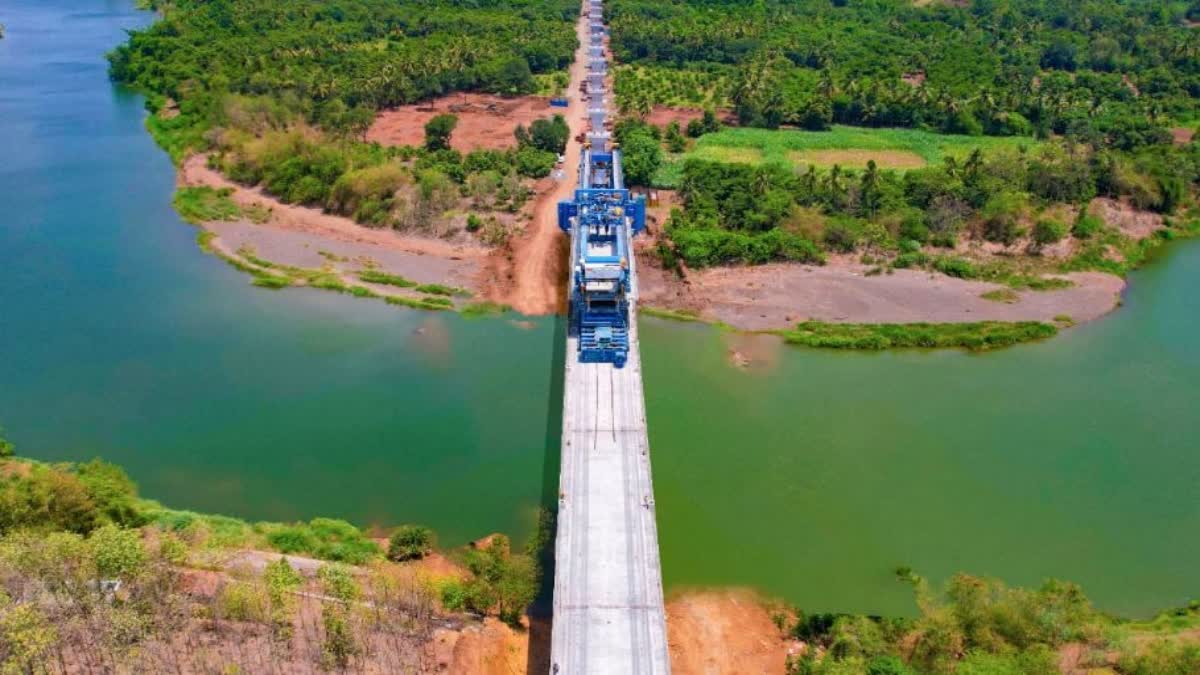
x=205, y=204
x=703, y=247
x=1087, y=227
x=117, y=553
x=112, y=492
x=1047, y=232
x=1002, y=216
x=1164, y=657
x=410, y=542
x=955, y=267
x=843, y=234
x=243, y=602
x=438, y=131
x=324, y=538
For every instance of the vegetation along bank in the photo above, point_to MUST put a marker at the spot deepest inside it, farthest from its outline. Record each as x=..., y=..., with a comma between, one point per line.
x=270, y=106
x=95, y=577
x=1017, y=144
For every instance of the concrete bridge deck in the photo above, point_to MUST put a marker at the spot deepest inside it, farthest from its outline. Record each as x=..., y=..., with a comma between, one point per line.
x=608, y=598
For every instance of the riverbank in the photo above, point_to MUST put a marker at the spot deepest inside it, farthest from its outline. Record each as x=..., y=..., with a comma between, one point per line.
x=778, y=296
x=229, y=594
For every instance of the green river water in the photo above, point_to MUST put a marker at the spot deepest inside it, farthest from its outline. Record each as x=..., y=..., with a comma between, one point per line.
x=809, y=475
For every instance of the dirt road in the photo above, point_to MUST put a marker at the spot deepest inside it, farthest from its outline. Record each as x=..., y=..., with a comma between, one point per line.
x=538, y=256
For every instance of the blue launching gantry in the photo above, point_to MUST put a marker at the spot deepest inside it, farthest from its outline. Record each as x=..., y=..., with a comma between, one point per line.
x=601, y=219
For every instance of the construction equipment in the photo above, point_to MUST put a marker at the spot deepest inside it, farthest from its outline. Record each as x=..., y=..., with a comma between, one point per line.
x=601, y=219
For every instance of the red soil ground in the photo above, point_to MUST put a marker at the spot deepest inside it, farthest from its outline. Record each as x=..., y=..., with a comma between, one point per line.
x=484, y=120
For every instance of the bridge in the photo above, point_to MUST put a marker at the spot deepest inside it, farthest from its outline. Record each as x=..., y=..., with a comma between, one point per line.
x=608, y=598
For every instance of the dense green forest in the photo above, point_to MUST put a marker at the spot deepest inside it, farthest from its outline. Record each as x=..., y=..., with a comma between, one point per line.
x=1101, y=70
x=1023, y=201
x=1104, y=81
x=282, y=94
x=357, y=52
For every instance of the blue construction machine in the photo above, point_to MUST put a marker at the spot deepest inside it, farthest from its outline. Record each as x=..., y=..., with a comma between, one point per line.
x=601, y=219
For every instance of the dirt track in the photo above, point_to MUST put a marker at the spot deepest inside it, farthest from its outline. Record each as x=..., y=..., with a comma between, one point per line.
x=529, y=275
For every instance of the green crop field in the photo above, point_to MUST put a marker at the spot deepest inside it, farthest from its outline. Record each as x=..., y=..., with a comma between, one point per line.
x=849, y=147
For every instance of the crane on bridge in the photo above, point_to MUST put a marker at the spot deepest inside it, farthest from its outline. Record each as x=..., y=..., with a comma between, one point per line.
x=601, y=219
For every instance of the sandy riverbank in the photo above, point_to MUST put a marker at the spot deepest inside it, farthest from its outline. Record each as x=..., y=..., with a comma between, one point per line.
x=527, y=273
x=305, y=237
x=780, y=295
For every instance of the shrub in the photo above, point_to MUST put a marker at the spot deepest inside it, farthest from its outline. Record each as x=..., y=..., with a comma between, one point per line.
x=117, y=553
x=243, y=602
x=205, y=204
x=843, y=234
x=1164, y=657
x=955, y=267
x=324, y=538
x=410, y=542
x=1002, y=216
x=111, y=490
x=1047, y=232
x=1087, y=227
x=438, y=131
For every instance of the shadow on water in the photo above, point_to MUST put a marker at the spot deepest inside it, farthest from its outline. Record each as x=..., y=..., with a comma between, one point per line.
x=541, y=611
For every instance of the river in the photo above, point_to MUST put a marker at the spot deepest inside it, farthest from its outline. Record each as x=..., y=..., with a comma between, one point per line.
x=810, y=474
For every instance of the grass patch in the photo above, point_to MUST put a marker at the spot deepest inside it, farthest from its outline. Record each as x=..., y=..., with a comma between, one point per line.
x=324, y=538
x=438, y=289
x=791, y=147
x=486, y=308
x=728, y=155
x=270, y=281
x=205, y=204
x=1064, y=320
x=858, y=159
x=1006, y=295
x=975, y=336
x=376, y=277
x=685, y=315
x=995, y=272
x=1112, y=252
x=206, y=530
x=432, y=303
x=204, y=239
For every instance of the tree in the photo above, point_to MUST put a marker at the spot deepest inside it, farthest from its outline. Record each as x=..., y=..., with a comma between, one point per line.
x=6, y=447
x=640, y=156
x=438, y=130
x=410, y=542
x=550, y=135
x=676, y=143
